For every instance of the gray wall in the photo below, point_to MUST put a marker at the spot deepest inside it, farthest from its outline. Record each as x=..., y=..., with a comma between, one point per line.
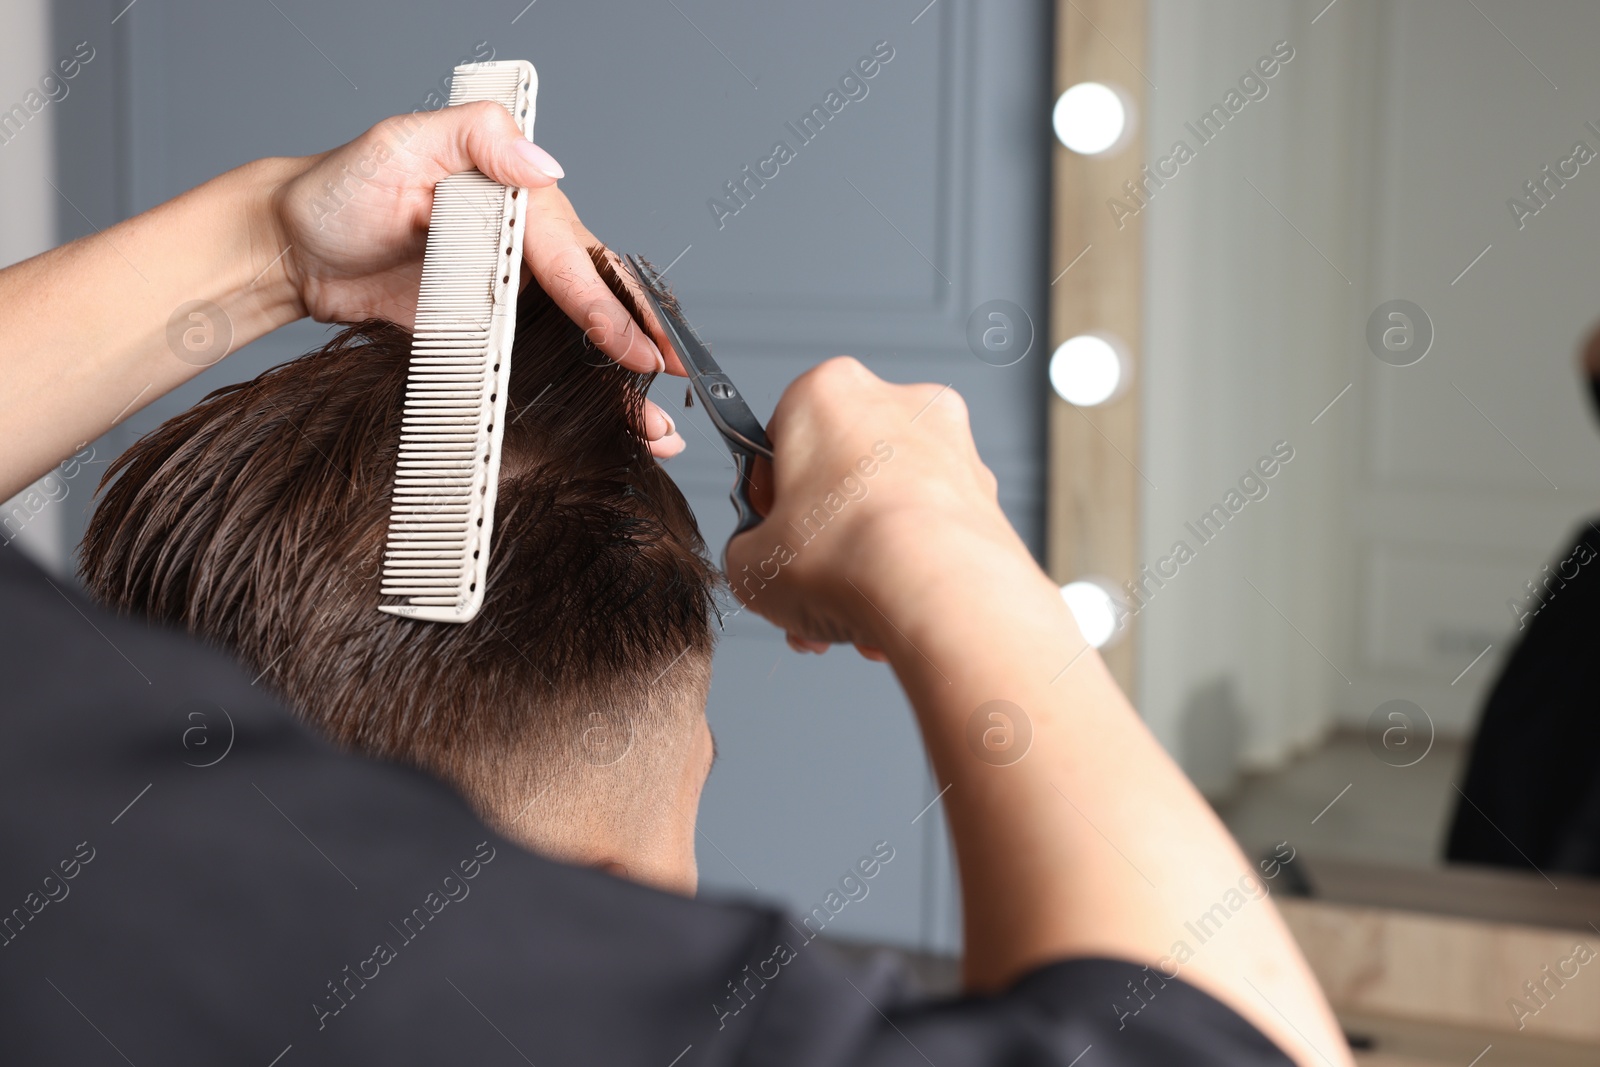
x=917, y=203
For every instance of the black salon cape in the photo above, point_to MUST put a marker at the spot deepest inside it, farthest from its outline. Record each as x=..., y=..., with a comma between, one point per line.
x=233, y=881
x=1531, y=797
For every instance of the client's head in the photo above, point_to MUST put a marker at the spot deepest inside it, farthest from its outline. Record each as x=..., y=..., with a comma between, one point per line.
x=571, y=711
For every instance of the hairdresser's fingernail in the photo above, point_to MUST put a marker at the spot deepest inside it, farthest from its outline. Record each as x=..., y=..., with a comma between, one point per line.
x=668, y=446
x=538, y=158
x=657, y=423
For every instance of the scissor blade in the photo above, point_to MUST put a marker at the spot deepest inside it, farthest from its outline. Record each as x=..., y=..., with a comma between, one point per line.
x=727, y=408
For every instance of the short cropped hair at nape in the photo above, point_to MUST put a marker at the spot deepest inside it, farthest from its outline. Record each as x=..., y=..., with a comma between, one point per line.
x=257, y=521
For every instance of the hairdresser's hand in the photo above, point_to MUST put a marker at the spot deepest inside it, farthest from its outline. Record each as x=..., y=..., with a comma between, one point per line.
x=876, y=499
x=354, y=222
x=883, y=529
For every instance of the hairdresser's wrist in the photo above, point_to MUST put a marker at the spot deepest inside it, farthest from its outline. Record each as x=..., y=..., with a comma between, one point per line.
x=233, y=219
x=982, y=623
x=274, y=286
x=927, y=572
x=221, y=282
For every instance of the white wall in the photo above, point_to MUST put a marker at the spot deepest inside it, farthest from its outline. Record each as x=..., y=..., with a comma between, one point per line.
x=1246, y=340
x=27, y=224
x=1457, y=509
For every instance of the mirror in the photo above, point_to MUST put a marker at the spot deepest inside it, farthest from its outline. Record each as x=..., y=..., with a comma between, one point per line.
x=1363, y=595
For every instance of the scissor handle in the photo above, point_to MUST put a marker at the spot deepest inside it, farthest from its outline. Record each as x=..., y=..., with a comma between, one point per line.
x=745, y=512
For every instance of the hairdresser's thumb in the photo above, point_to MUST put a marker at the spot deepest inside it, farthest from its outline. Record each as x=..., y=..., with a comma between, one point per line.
x=542, y=165
x=485, y=136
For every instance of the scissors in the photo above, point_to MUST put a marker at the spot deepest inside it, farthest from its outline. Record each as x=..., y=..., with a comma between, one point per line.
x=741, y=431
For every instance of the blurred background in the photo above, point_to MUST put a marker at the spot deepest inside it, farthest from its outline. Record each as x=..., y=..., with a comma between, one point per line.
x=1329, y=346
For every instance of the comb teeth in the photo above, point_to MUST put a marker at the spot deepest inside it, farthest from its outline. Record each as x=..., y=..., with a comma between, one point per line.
x=441, y=518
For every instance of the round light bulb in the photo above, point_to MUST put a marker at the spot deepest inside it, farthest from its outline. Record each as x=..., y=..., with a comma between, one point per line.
x=1087, y=370
x=1091, y=118
x=1093, y=609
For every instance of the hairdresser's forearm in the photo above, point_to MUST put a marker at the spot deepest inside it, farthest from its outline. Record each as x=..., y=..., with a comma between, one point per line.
x=88, y=334
x=1093, y=843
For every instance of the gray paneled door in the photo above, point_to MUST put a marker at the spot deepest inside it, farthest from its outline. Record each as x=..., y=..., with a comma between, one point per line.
x=898, y=203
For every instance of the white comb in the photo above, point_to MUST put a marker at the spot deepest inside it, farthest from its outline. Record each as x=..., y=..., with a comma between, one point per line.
x=436, y=556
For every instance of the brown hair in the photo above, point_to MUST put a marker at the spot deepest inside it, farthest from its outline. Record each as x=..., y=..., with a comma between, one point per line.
x=257, y=521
